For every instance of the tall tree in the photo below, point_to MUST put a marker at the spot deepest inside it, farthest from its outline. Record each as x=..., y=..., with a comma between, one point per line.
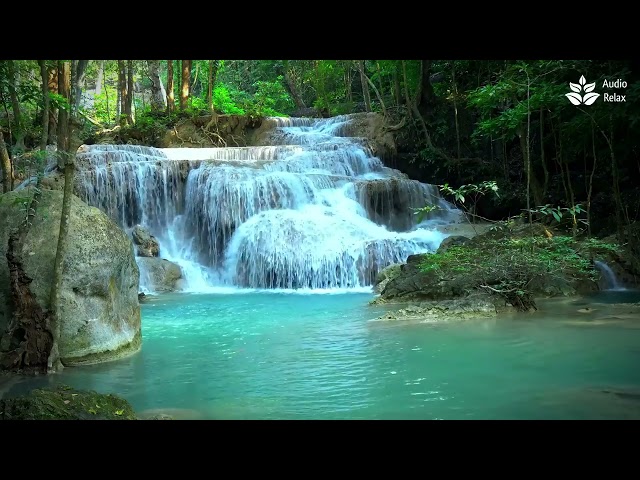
x=122, y=92
x=53, y=114
x=5, y=166
x=64, y=90
x=171, y=100
x=68, y=158
x=18, y=124
x=213, y=74
x=45, y=101
x=185, y=90
x=129, y=95
x=78, y=80
x=158, y=100
x=99, y=77
x=290, y=77
x=365, y=86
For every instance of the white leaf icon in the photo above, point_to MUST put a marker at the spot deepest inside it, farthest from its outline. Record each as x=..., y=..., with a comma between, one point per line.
x=589, y=98
x=574, y=98
x=582, y=80
x=589, y=87
x=575, y=87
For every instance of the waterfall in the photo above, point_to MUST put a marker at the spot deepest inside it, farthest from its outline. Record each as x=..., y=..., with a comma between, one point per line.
x=609, y=275
x=314, y=209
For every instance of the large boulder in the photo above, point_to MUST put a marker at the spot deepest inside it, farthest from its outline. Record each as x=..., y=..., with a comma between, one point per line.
x=159, y=275
x=146, y=244
x=99, y=308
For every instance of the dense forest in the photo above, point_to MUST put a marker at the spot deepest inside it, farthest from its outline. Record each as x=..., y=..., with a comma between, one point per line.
x=525, y=125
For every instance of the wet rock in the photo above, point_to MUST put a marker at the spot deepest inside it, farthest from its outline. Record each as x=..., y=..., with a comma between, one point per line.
x=385, y=276
x=466, y=308
x=146, y=244
x=158, y=274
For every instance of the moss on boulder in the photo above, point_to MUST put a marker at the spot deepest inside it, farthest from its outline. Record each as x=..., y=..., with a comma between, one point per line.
x=65, y=403
x=516, y=264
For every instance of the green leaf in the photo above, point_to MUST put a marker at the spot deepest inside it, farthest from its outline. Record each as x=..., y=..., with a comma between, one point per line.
x=555, y=215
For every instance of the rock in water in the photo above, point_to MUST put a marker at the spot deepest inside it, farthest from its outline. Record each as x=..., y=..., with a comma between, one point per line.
x=100, y=312
x=159, y=275
x=65, y=403
x=385, y=276
x=147, y=245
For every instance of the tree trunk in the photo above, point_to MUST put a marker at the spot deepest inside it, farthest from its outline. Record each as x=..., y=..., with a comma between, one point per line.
x=54, y=304
x=72, y=91
x=616, y=185
x=100, y=77
x=593, y=171
x=396, y=84
x=375, y=90
x=213, y=74
x=129, y=97
x=45, y=101
x=290, y=82
x=158, y=100
x=426, y=100
x=171, y=101
x=18, y=126
x=186, y=84
x=348, y=81
x=542, y=157
x=78, y=78
x=365, y=86
x=5, y=166
x=122, y=93
x=53, y=113
x=533, y=183
x=455, y=107
x=64, y=88
x=414, y=113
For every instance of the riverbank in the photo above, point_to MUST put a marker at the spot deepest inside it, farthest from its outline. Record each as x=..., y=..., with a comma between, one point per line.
x=491, y=269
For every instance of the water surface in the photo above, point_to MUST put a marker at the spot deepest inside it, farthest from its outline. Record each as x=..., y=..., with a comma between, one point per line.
x=294, y=356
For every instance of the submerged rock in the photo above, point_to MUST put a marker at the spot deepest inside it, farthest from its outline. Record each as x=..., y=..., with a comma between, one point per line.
x=466, y=308
x=147, y=245
x=65, y=403
x=159, y=275
x=99, y=308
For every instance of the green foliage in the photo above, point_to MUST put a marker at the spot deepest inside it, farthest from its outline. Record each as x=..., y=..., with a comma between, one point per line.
x=270, y=99
x=510, y=265
x=224, y=102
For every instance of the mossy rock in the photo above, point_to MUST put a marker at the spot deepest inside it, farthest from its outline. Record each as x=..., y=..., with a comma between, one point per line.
x=65, y=403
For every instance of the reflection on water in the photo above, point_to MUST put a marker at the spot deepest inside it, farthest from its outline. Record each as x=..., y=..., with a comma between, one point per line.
x=279, y=356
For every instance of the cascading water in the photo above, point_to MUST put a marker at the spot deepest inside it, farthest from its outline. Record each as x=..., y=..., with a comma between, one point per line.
x=313, y=210
x=609, y=275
